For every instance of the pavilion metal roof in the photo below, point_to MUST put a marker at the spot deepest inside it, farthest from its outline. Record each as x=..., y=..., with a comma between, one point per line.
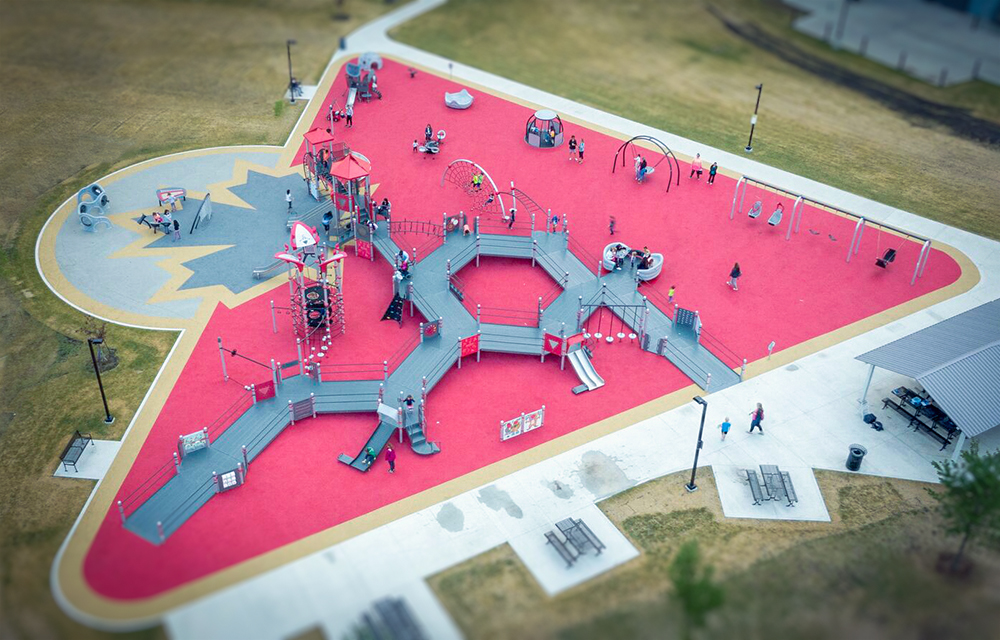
x=957, y=361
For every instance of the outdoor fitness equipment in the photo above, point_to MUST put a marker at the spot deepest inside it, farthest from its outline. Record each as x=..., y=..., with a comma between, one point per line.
x=544, y=129
x=668, y=155
x=882, y=260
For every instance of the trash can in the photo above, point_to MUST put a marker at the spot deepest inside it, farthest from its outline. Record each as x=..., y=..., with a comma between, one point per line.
x=857, y=452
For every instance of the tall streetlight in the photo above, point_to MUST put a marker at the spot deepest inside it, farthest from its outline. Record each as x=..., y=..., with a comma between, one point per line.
x=291, y=80
x=691, y=486
x=753, y=120
x=108, y=418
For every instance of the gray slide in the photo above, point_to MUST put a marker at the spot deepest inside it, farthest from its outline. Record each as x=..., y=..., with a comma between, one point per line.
x=585, y=371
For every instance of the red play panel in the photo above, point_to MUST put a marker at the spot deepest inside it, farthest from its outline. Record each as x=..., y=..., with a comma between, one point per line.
x=790, y=292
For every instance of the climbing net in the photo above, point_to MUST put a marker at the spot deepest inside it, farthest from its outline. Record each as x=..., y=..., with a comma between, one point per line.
x=476, y=183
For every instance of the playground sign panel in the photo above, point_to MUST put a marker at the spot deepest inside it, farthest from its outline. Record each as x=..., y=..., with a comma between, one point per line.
x=193, y=442
x=553, y=344
x=522, y=424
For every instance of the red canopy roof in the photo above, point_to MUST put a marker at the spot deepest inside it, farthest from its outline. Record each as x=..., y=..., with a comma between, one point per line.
x=317, y=137
x=350, y=168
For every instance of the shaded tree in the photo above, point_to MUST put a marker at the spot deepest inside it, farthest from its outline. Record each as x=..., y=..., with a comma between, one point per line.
x=694, y=587
x=970, y=498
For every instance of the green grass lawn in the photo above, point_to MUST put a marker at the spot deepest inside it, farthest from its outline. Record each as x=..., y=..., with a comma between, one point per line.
x=867, y=574
x=90, y=86
x=675, y=66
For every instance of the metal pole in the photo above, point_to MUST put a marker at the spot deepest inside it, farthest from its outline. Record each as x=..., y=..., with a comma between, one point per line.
x=477, y=241
x=385, y=366
x=253, y=393
x=753, y=120
x=863, y=400
x=274, y=320
x=298, y=348
x=274, y=373
x=159, y=529
x=121, y=512
x=691, y=486
x=743, y=369
x=791, y=221
x=479, y=316
x=177, y=463
x=732, y=209
x=534, y=248
x=920, y=259
x=562, y=348
x=539, y=310
x=291, y=88
x=246, y=461
x=108, y=418
x=927, y=256
x=479, y=344
x=854, y=238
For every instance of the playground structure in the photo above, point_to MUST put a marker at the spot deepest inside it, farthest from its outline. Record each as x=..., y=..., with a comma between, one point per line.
x=458, y=100
x=92, y=203
x=544, y=129
x=361, y=78
x=882, y=259
x=476, y=183
x=321, y=154
x=316, y=303
x=203, y=216
x=666, y=154
x=643, y=274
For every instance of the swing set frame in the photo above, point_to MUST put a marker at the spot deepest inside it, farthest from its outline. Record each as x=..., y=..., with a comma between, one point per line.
x=859, y=228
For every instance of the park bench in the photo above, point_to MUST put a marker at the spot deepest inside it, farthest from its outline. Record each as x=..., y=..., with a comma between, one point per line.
x=71, y=454
x=579, y=535
x=755, y=490
x=789, y=488
x=568, y=554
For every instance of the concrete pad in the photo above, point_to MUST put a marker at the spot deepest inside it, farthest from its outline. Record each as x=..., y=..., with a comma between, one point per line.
x=550, y=569
x=737, y=501
x=94, y=462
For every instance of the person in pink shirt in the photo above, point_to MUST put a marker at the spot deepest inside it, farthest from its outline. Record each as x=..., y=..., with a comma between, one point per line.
x=390, y=457
x=696, y=166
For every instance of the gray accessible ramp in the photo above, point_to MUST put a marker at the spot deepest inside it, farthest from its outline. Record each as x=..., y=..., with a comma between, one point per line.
x=582, y=293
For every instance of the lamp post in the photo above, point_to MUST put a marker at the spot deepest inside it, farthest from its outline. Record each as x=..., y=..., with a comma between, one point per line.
x=753, y=120
x=108, y=418
x=691, y=486
x=291, y=80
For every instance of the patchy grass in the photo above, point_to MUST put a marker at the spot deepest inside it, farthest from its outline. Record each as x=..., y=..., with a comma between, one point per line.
x=675, y=66
x=90, y=86
x=868, y=573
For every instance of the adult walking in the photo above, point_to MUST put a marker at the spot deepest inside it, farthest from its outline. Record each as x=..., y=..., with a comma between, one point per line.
x=390, y=457
x=349, y=116
x=757, y=419
x=696, y=166
x=734, y=275
x=572, y=147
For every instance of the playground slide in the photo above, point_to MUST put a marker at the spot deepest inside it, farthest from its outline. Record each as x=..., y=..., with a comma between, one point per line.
x=377, y=441
x=585, y=371
x=352, y=95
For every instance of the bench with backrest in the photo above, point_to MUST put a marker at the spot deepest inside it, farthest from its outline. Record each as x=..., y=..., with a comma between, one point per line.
x=754, y=480
x=786, y=480
x=568, y=553
x=71, y=454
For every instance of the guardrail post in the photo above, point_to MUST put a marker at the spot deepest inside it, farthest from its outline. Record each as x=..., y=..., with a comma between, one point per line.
x=246, y=461
x=177, y=463
x=479, y=344
x=222, y=356
x=121, y=512
x=215, y=481
x=478, y=243
x=280, y=378
x=539, y=310
x=743, y=369
x=253, y=393
x=534, y=248
x=421, y=333
x=274, y=373
x=274, y=320
x=319, y=373
x=409, y=296
x=475, y=225
x=444, y=228
x=562, y=349
x=566, y=280
x=697, y=327
x=645, y=321
x=312, y=401
x=600, y=269
x=291, y=413
x=579, y=314
x=414, y=256
x=240, y=473
x=566, y=230
x=159, y=526
x=532, y=221
x=385, y=367
x=479, y=316
x=381, y=392
x=298, y=350
x=708, y=382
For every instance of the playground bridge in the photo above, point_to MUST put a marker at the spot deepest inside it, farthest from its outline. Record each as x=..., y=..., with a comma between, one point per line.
x=157, y=508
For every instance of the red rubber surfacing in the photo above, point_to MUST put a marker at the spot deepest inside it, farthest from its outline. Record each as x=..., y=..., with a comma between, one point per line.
x=791, y=292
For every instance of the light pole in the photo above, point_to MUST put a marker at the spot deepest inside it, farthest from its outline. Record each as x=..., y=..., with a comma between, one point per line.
x=291, y=80
x=691, y=486
x=753, y=120
x=108, y=418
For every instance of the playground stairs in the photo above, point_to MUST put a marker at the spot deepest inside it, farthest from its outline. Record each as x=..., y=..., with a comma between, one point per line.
x=418, y=439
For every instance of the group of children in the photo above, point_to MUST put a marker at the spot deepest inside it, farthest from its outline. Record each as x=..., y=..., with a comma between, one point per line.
x=165, y=221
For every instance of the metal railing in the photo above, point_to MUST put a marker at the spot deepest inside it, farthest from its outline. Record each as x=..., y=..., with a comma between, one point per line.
x=581, y=252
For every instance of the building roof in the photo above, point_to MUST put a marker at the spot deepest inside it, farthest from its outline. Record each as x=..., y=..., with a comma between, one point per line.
x=957, y=361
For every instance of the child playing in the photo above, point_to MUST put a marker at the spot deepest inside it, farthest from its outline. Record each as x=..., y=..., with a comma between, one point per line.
x=725, y=427
x=670, y=296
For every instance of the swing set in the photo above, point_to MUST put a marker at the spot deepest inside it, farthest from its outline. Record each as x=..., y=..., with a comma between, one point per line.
x=882, y=259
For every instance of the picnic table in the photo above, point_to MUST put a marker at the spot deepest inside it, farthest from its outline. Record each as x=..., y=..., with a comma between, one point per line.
x=777, y=485
x=922, y=414
x=579, y=539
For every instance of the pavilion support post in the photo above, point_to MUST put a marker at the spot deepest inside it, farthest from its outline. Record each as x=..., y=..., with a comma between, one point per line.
x=863, y=400
x=956, y=454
